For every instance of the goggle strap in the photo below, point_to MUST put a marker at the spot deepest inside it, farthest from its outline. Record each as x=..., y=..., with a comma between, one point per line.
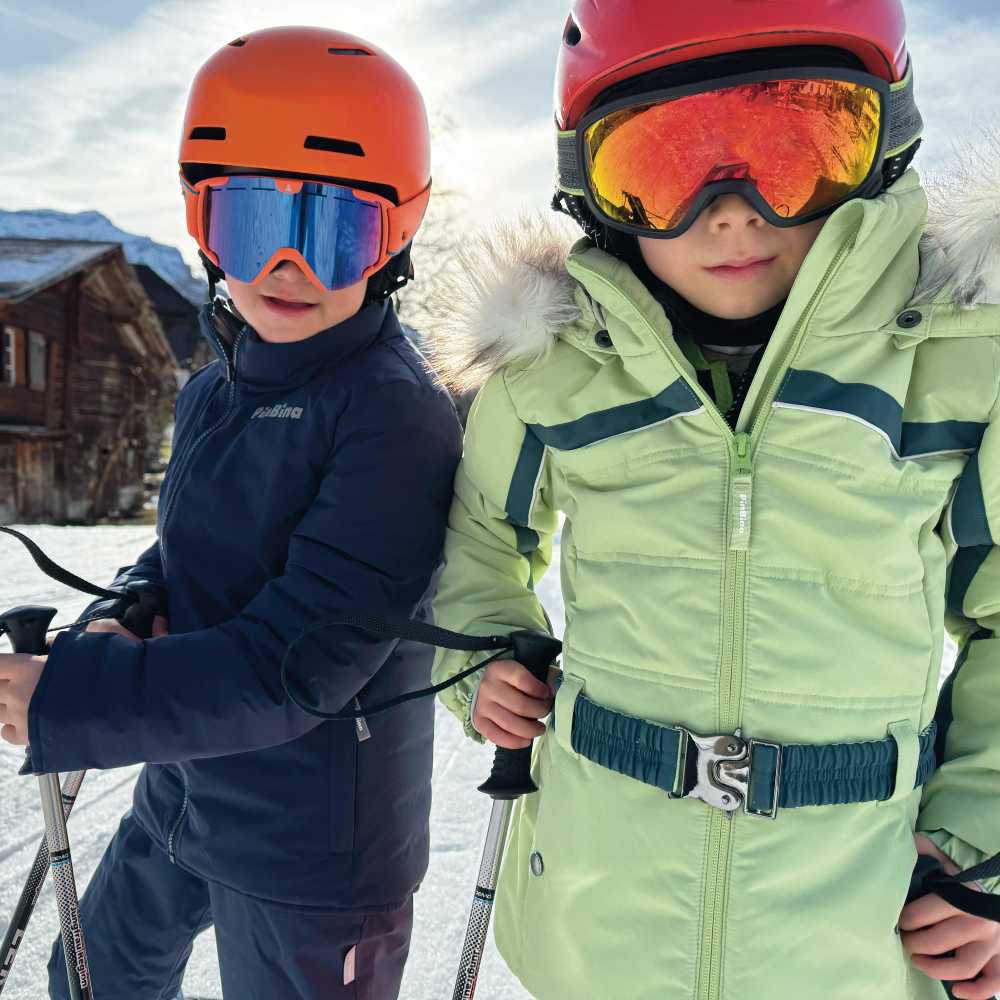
x=905, y=121
x=570, y=177
x=905, y=125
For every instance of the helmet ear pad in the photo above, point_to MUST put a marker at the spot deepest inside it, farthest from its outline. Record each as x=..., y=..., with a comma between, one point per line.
x=391, y=278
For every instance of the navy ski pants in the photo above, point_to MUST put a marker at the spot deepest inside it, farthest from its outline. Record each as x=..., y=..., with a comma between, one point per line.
x=141, y=914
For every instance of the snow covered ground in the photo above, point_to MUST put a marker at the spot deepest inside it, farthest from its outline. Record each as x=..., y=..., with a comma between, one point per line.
x=458, y=819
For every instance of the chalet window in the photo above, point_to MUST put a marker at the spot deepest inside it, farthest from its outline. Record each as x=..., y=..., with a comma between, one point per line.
x=37, y=357
x=10, y=354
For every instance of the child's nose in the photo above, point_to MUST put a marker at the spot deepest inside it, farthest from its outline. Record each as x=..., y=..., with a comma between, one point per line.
x=288, y=270
x=731, y=210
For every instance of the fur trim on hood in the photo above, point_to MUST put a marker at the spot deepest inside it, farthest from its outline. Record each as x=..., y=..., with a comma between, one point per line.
x=509, y=293
x=961, y=244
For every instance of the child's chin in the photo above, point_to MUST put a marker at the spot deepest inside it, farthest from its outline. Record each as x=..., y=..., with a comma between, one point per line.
x=272, y=326
x=744, y=308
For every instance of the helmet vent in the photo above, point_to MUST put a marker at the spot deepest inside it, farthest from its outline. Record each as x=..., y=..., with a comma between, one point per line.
x=572, y=35
x=329, y=145
x=238, y=43
x=207, y=132
x=349, y=52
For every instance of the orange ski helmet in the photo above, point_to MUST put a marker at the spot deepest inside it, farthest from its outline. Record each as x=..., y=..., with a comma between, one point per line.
x=310, y=103
x=607, y=41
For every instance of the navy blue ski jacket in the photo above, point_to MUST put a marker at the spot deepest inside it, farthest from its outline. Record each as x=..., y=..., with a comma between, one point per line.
x=307, y=480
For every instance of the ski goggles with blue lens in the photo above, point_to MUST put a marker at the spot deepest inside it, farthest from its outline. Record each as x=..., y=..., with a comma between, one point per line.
x=337, y=235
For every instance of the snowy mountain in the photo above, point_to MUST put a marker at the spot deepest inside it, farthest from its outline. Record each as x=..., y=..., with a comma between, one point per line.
x=44, y=224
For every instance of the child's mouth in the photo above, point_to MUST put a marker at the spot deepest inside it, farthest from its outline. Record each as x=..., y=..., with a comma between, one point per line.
x=287, y=308
x=741, y=273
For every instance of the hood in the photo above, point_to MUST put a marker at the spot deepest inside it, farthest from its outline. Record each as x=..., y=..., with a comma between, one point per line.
x=960, y=249
x=505, y=297
x=508, y=293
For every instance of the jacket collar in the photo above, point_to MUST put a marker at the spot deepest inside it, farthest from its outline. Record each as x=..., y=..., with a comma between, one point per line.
x=260, y=364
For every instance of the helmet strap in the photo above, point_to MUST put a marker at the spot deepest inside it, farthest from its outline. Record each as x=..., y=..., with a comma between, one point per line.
x=895, y=166
x=575, y=206
x=391, y=278
x=213, y=273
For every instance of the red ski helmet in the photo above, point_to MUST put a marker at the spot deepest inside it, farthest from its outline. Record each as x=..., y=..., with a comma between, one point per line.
x=607, y=41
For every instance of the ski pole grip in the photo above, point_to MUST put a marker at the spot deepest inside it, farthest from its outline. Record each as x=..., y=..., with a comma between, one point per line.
x=511, y=774
x=26, y=626
x=138, y=617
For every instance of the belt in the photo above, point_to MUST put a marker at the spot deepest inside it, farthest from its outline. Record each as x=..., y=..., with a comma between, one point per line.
x=731, y=772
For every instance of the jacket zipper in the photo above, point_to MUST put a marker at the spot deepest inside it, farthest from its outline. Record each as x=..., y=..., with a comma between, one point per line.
x=177, y=823
x=742, y=448
x=738, y=523
x=185, y=464
x=186, y=459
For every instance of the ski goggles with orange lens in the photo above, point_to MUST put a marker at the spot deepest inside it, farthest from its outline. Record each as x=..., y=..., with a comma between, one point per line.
x=795, y=144
x=337, y=235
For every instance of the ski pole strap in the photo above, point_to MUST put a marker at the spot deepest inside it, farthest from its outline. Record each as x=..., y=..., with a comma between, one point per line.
x=57, y=572
x=136, y=608
x=730, y=772
x=406, y=628
x=929, y=877
x=394, y=628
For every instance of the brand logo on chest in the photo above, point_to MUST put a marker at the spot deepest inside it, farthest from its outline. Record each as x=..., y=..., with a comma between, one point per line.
x=280, y=411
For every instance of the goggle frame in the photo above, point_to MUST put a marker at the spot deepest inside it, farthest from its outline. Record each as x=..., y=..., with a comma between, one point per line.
x=869, y=187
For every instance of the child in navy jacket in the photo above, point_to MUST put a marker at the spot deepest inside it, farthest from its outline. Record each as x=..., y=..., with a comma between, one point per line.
x=311, y=476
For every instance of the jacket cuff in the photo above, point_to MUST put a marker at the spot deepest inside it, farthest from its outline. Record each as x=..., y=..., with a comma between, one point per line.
x=963, y=854
x=38, y=732
x=472, y=704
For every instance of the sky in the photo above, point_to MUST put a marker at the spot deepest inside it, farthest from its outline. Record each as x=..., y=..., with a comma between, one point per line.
x=94, y=93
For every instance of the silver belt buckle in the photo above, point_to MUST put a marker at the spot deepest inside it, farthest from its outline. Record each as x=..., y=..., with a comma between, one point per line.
x=722, y=771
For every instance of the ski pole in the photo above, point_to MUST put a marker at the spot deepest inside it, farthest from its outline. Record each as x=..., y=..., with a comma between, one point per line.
x=26, y=627
x=139, y=620
x=18, y=925
x=508, y=781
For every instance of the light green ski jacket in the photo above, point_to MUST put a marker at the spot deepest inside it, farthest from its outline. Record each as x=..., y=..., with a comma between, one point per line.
x=794, y=581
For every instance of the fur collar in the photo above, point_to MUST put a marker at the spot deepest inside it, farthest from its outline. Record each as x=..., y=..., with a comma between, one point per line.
x=960, y=249
x=509, y=294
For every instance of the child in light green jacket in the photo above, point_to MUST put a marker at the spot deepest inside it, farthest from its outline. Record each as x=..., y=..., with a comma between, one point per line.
x=763, y=394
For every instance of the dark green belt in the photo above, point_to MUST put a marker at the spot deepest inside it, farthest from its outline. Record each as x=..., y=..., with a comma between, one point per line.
x=731, y=772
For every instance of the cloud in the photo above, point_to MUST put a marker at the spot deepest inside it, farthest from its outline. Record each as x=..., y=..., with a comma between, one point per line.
x=957, y=76
x=49, y=20
x=98, y=126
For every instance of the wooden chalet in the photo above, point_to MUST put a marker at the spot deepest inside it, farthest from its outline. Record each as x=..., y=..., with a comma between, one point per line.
x=179, y=319
x=87, y=382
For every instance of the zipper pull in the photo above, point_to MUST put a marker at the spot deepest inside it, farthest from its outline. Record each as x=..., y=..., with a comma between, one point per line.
x=742, y=494
x=360, y=725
